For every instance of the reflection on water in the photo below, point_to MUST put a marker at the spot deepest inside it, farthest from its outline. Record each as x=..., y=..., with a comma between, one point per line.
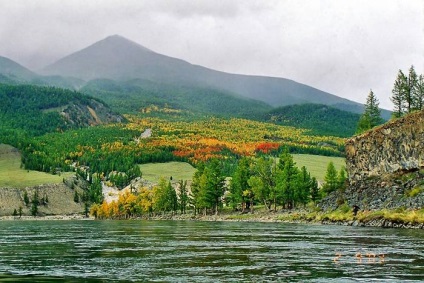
x=162, y=251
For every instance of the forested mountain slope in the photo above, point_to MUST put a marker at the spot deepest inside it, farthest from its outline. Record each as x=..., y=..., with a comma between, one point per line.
x=34, y=110
x=320, y=119
x=134, y=95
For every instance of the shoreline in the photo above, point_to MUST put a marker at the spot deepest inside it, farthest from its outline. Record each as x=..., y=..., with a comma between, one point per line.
x=294, y=217
x=46, y=217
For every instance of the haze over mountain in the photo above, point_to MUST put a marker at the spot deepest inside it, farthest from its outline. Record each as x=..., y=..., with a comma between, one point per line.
x=120, y=59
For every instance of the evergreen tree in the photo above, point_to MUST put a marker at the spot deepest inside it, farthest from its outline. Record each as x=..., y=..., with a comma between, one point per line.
x=26, y=198
x=215, y=185
x=239, y=184
x=263, y=181
x=34, y=202
x=331, y=179
x=95, y=194
x=398, y=95
x=419, y=94
x=372, y=114
x=409, y=89
x=196, y=197
x=183, y=196
x=303, y=190
x=76, y=197
x=287, y=180
x=314, y=190
x=341, y=178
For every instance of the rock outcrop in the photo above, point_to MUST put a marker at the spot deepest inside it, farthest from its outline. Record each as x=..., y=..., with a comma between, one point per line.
x=385, y=167
x=393, y=147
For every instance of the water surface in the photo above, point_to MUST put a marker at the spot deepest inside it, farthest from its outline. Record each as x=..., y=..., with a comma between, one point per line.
x=184, y=251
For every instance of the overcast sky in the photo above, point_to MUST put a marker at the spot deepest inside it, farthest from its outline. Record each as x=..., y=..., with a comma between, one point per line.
x=342, y=47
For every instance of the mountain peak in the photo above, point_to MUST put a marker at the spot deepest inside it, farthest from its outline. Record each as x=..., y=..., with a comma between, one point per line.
x=119, y=42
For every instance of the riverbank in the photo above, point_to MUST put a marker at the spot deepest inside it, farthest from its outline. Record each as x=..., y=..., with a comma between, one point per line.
x=47, y=217
x=409, y=219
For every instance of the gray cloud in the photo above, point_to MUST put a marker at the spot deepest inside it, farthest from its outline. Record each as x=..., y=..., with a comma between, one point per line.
x=343, y=47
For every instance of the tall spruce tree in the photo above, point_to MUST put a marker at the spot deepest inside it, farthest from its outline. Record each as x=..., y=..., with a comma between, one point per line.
x=372, y=114
x=419, y=94
x=398, y=95
x=409, y=89
x=331, y=179
x=239, y=183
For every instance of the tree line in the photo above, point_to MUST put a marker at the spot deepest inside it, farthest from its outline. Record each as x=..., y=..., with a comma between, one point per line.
x=407, y=96
x=266, y=181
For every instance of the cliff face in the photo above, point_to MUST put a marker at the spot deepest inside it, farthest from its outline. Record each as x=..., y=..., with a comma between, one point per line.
x=394, y=147
x=385, y=167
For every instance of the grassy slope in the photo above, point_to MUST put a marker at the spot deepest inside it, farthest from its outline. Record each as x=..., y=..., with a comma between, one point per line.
x=11, y=175
x=178, y=170
x=316, y=164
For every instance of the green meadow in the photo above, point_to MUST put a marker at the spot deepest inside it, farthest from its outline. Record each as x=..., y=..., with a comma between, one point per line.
x=317, y=164
x=177, y=170
x=11, y=175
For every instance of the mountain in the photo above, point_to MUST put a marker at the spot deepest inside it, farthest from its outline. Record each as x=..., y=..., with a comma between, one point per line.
x=318, y=118
x=119, y=59
x=131, y=96
x=14, y=73
x=35, y=110
x=10, y=71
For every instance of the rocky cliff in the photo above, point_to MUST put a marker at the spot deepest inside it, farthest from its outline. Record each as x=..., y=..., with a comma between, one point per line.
x=385, y=167
x=397, y=146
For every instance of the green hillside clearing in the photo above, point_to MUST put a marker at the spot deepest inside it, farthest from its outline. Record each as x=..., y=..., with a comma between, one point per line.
x=177, y=170
x=11, y=175
x=317, y=165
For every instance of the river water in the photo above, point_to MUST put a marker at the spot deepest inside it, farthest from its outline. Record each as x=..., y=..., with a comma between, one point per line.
x=188, y=251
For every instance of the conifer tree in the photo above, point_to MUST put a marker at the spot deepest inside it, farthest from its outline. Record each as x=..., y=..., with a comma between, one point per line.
x=419, y=94
x=331, y=179
x=314, y=189
x=398, y=95
x=372, y=114
x=239, y=182
x=182, y=196
x=409, y=89
x=287, y=180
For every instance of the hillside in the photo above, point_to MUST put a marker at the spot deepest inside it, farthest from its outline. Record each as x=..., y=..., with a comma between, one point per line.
x=14, y=73
x=320, y=119
x=11, y=71
x=120, y=59
x=34, y=110
x=131, y=96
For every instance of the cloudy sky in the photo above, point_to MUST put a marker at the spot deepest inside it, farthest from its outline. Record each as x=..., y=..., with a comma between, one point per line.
x=345, y=47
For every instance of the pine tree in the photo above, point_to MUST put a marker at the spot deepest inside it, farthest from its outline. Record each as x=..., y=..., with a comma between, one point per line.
x=398, y=95
x=183, y=196
x=34, y=206
x=26, y=198
x=372, y=114
x=287, y=180
x=419, y=94
x=303, y=189
x=341, y=178
x=331, y=179
x=239, y=183
x=409, y=89
x=314, y=190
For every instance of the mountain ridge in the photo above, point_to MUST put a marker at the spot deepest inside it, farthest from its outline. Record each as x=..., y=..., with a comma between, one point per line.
x=118, y=58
